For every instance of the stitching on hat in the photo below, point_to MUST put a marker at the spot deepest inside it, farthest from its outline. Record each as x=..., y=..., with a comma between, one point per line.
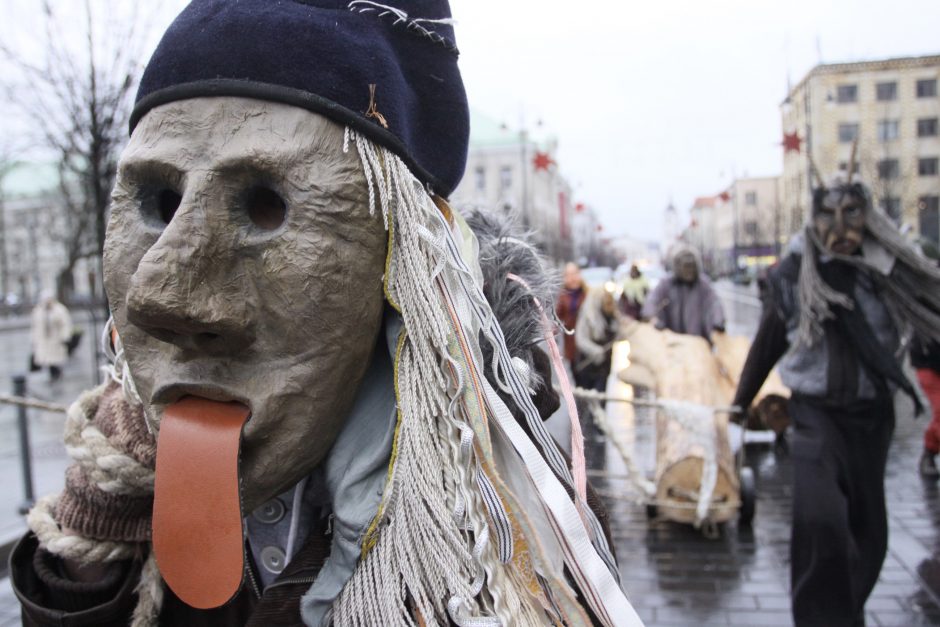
x=401, y=19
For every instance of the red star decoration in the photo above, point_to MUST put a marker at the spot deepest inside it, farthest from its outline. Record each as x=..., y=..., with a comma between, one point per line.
x=725, y=196
x=791, y=141
x=542, y=161
x=579, y=207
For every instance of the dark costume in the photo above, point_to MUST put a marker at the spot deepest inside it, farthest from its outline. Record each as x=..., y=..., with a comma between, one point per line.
x=843, y=419
x=832, y=319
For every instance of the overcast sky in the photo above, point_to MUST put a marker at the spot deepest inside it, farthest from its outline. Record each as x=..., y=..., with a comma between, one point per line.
x=666, y=100
x=656, y=104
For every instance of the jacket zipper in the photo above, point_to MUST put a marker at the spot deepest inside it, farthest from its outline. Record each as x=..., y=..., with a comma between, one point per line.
x=251, y=579
x=292, y=580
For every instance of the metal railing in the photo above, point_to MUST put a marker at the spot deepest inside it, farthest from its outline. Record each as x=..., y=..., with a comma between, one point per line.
x=23, y=403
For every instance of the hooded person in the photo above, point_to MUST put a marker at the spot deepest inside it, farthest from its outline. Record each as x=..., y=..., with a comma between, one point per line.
x=597, y=328
x=635, y=288
x=319, y=413
x=685, y=302
x=50, y=331
x=848, y=292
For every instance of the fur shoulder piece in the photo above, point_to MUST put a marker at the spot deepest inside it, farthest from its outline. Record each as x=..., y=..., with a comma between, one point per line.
x=505, y=250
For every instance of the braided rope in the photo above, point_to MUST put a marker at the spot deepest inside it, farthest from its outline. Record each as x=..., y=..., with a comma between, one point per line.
x=112, y=471
x=645, y=488
x=118, y=370
x=69, y=545
x=694, y=418
x=149, y=594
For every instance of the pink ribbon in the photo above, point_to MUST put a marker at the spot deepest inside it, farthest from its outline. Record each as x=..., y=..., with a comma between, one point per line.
x=578, y=468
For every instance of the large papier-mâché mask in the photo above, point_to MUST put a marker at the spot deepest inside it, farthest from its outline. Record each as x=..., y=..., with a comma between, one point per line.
x=839, y=217
x=685, y=267
x=242, y=263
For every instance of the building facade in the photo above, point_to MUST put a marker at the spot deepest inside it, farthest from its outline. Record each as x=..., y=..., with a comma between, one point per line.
x=740, y=228
x=511, y=171
x=34, y=228
x=890, y=108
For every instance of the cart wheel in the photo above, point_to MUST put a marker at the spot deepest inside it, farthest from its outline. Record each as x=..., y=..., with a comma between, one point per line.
x=651, y=511
x=748, y=497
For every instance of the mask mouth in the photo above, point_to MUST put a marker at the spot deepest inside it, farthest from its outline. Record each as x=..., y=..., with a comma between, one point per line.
x=174, y=392
x=198, y=534
x=844, y=245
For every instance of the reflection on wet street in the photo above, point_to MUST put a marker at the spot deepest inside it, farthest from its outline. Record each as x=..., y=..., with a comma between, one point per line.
x=674, y=575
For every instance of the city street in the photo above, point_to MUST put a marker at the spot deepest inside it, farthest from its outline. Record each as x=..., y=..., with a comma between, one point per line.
x=673, y=574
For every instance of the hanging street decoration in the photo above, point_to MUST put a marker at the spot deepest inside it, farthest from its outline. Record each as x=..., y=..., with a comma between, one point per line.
x=791, y=141
x=542, y=161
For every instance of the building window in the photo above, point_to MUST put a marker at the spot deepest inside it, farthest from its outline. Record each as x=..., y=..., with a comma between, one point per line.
x=929, y=217
x=846, y=93
x=505, y=178
x=928, y=166
x=750, y=198
x=886, y=91
x=892, y=206
x=927, y=127
x=888, y=169
x=927, y=88
x=480, y=178
x=750, y=229
x=848, y=133
x=887, y=130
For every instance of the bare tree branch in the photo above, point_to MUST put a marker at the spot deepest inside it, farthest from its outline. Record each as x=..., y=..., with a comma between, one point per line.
x=77, y=98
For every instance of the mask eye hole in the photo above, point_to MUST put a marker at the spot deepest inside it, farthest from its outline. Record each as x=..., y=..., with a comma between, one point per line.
x=266, y=209
x=168, y=201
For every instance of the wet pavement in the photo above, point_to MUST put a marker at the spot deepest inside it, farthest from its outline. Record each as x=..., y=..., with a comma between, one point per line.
x=45, y=428
x=673, y=574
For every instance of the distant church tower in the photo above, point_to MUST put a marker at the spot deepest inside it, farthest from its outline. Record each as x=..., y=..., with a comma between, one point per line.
x=670, y=226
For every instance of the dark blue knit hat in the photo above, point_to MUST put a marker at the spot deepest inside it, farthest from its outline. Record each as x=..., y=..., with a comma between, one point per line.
x=323, y=55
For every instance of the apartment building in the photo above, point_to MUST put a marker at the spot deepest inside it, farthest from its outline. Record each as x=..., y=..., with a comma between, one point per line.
x=890, y=108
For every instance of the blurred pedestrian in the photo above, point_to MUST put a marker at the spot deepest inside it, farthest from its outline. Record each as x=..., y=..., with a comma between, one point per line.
x=595, y=332
x=925, y=358
x=685, y=302
x=635, y=288
x=567, y=306
x=50, y=331
x=831, y=321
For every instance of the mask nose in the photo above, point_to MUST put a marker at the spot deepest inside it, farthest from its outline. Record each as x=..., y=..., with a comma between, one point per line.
x=190, y=289
x=839, y=222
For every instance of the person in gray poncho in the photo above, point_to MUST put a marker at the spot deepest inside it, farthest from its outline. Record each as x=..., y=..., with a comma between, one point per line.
x=685, y=302
x=841, y=301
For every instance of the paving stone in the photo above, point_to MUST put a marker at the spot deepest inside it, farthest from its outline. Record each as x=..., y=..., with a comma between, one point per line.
x=764, y=617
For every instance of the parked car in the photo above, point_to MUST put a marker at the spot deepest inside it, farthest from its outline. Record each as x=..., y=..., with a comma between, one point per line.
x=741, y=277
x=597, y=276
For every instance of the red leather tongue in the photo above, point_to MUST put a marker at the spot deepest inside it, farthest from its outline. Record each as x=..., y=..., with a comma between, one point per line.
x=197, y=518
